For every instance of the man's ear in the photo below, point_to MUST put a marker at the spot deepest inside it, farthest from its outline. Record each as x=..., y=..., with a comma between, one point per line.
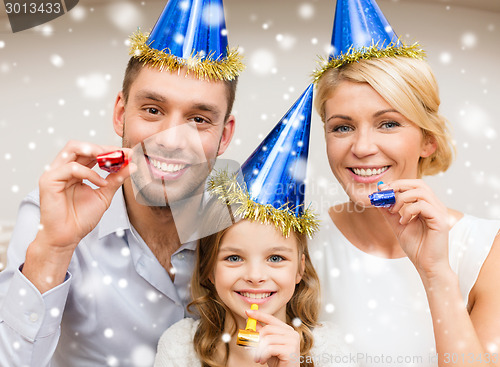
x=227, y=134
x=118, y=114
x=429, y=146
x=302, y=268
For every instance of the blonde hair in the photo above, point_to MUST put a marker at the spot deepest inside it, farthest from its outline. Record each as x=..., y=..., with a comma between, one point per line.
x=410, y=87
x=304, y=304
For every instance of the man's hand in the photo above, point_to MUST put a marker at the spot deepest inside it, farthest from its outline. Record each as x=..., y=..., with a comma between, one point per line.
x=69, y=210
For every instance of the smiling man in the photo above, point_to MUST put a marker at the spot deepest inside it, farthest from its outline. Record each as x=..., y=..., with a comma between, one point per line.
x=96, y=274
x=177, y=125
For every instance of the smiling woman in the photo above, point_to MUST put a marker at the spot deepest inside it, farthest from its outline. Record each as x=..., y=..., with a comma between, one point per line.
x=415, y=279
x=417, y=255
x=355, y=105
x=411, y=93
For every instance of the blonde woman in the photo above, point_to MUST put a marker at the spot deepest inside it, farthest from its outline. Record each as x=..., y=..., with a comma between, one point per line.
x=416, y=283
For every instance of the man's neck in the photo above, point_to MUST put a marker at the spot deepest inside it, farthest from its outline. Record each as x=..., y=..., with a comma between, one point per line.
x=155, y=225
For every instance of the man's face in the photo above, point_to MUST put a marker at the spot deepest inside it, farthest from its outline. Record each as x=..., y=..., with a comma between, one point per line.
x=175, y=124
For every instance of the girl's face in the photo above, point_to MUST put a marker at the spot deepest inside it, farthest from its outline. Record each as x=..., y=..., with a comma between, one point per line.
x=256, y=264
x=369, y=141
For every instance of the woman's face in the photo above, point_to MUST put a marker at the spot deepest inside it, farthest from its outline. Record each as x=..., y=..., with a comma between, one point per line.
x=369, y=141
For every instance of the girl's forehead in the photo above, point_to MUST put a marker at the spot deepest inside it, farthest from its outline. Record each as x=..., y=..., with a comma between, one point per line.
x=255, y=229
x=258, y=247
x=248, y=236
x=257, y=242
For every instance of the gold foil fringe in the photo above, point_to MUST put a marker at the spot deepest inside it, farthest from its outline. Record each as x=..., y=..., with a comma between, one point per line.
x=203, y=66
x=397, y=48
x=227, y=189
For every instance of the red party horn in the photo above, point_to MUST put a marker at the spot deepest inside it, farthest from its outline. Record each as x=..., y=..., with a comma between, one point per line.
x=112, y=162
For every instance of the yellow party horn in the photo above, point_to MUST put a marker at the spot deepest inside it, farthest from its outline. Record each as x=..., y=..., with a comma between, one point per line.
x=249, y=337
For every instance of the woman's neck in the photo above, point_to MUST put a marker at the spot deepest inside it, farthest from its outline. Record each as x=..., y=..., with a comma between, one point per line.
x=367, y=230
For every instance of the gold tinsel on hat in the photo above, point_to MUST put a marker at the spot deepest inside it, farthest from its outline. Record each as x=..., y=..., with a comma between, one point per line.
x=374, y=51
x=227, y=189
x=203, y=66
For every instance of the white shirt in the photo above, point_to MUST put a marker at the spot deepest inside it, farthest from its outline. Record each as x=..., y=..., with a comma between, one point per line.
x=175, y=348
x=110, y=311
x=380, y=304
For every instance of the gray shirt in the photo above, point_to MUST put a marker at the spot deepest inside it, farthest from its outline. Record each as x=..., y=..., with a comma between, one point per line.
x=112, y=308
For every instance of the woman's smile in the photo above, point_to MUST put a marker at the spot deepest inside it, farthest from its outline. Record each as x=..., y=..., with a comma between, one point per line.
x=369, y=141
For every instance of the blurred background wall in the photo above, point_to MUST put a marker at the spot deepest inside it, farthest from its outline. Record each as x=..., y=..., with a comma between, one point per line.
x=59, y=82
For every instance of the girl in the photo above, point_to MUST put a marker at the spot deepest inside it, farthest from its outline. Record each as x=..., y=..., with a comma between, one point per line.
x=253, y=263
x=262, y=259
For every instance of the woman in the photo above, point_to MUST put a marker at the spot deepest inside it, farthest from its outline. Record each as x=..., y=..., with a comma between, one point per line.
x=416, y=283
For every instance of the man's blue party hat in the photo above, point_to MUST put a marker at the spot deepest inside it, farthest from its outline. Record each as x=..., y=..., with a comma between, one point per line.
x=190, y=34
x=272, y=188
x=361, y=31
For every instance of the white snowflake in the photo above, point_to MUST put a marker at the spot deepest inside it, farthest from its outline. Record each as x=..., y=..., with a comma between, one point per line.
x=108, y=333
x=143, y=356
x=306, y=11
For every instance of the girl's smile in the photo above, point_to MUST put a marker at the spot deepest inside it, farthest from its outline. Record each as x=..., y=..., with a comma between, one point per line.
x=256, y=296
x=256, y=264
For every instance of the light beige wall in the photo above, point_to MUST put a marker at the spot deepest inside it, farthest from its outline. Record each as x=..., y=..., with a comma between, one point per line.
x=59, y=82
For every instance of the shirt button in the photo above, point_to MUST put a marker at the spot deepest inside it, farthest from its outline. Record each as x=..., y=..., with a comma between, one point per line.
x=34, y=317
x=180, y=256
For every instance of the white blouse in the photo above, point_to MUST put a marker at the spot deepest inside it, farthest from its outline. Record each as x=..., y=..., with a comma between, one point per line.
x=175, y=348
x=380, y=304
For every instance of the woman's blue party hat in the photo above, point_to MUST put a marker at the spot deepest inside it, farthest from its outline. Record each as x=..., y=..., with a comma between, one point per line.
x=190, y=34
x=361, y=31
x=272, y=188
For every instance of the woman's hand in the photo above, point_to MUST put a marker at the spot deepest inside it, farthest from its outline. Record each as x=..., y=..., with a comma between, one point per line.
x=420, y=222
x=279, y=343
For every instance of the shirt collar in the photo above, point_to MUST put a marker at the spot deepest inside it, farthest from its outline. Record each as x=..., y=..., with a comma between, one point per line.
x=191, y=245
x=115, y=218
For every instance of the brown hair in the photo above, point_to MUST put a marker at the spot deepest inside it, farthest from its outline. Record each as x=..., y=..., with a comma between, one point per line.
x=304, y=304
x=410, y=87
x=134, y=67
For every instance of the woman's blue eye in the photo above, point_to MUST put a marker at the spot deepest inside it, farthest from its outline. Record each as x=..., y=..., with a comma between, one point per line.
x=275, y=258
x=233, y=258
x=342, y=129
x=390, y=125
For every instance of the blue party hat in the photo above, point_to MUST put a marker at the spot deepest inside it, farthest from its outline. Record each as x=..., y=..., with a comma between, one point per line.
x=361, y=31
x=191, y=34
x=273, y=185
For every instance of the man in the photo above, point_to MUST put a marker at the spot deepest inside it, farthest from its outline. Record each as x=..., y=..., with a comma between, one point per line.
x=95, y=275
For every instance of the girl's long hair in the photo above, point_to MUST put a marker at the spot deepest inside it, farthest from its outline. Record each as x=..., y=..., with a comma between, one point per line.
x=304, y=304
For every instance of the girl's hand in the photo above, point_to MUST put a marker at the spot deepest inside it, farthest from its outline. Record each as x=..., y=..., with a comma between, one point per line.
x=279, y=343
x=420, y=222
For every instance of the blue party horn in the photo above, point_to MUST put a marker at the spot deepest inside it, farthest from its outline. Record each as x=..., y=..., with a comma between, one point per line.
x=384, y=198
